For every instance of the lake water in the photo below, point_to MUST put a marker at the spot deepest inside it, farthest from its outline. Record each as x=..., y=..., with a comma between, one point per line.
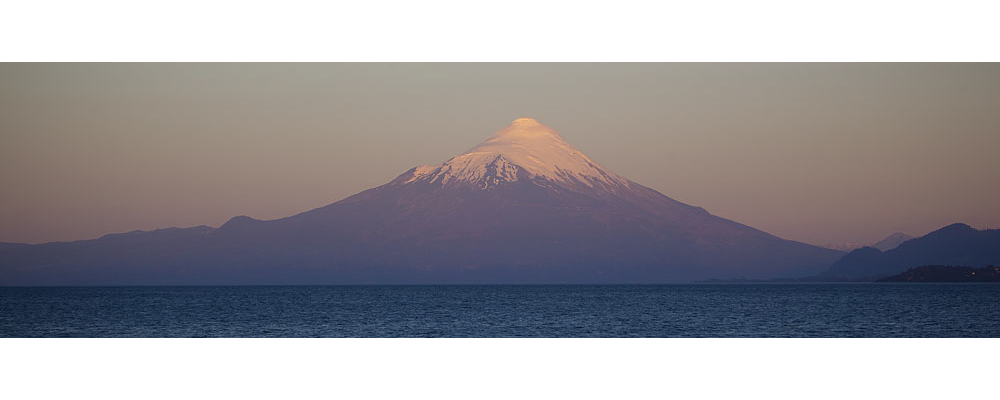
x=694, y=310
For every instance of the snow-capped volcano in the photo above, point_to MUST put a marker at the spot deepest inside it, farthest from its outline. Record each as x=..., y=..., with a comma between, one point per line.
x=526, y=149
x=524, y=206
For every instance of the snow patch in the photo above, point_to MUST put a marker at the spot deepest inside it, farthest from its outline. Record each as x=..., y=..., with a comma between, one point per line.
x=421, y=171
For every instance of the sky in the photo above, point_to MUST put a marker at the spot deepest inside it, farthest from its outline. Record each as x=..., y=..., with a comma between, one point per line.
x=828, y=154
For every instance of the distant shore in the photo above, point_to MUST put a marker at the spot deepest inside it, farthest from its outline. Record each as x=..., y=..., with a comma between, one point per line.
x=927, y=273
x=945, y=273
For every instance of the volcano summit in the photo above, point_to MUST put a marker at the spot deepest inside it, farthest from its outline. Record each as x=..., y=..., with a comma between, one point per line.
x=524, y=206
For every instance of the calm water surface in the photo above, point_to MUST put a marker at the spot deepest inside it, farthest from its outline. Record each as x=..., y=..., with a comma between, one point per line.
x=696, y=310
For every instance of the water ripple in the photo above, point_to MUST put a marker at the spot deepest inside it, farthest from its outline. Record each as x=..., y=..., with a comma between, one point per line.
x=765, y=310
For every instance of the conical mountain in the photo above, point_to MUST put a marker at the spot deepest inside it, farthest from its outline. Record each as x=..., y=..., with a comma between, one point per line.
x=524, y=206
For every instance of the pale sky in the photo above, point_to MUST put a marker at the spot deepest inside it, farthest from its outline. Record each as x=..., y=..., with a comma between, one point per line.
x=820, y=153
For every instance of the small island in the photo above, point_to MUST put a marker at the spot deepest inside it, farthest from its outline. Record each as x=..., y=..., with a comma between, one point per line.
x=946, y=273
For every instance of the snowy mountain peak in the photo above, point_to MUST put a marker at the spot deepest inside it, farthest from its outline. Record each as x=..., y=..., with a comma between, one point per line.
x=527, y=146
x=525, y=128
x=526, y=121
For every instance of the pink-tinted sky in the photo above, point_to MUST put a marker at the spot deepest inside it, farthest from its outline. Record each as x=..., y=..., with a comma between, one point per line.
x=822, y=153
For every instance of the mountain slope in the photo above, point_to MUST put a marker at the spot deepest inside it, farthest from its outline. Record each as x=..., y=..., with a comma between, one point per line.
x=524, y=206
x=892, y=241
x=956, y=244
x=5, y=245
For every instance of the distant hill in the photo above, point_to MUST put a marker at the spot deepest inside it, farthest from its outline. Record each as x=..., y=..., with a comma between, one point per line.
x=892, y=241
x=844, y=247
x=943, y=273
x=888, y=243
x=956, y=244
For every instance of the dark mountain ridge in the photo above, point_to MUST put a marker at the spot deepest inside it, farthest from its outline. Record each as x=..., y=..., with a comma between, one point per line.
x=956, y=244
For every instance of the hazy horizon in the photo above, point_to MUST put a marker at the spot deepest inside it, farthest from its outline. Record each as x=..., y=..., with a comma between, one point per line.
x=828, y=154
